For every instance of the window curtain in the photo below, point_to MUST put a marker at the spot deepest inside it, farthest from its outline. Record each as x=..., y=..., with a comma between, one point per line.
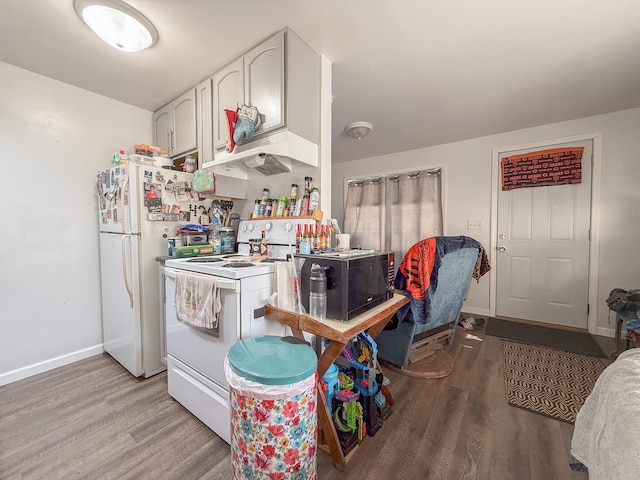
x=393, y=212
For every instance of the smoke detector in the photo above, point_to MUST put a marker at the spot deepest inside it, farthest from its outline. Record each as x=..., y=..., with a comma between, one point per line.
x=358, y=130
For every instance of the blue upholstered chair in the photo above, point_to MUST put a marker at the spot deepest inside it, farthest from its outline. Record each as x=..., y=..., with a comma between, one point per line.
x=409, y=345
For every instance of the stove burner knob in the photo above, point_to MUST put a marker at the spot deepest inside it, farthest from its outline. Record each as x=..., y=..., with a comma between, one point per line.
x=267, y=226
x=251, y=227
x=288, y=226
x=244, y=228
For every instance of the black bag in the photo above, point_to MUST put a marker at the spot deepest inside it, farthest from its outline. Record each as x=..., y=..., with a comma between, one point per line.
x=617, y=300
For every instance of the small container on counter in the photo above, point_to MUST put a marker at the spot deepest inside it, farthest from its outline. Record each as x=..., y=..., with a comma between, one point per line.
x=227, y=240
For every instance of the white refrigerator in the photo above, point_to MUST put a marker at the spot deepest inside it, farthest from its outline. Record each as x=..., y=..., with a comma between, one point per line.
x=140, y=207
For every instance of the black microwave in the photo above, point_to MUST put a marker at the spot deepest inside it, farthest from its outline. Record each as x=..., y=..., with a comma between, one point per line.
x=355, y=282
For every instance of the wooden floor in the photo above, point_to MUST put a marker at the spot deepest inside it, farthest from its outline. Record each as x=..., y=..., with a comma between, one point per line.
x=92, y=420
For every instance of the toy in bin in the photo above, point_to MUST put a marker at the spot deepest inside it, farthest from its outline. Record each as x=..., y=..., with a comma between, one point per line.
x=348, y=419
x=330, y=384
x=361, y=355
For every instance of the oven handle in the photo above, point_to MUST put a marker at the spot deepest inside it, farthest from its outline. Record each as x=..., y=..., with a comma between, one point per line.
x=223, y=283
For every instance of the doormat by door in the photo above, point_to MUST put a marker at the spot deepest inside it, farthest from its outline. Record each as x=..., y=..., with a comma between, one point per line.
x=548, y=381
x=567, y=340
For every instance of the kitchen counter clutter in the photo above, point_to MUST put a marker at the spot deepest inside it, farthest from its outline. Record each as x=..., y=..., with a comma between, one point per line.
x=341, y=338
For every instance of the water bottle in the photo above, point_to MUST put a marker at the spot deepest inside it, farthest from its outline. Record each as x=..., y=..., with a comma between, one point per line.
x=318, y=293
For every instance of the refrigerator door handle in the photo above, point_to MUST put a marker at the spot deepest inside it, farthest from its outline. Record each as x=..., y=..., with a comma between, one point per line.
x=124, y=269
x=125, y=228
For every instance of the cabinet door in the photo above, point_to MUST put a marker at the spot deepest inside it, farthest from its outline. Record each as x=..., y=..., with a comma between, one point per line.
x=227, y=93
x=162, y=128
x=204, y=123
x=264, y=82
x=183, y=110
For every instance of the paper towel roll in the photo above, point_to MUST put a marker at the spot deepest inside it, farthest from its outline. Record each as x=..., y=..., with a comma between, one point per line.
x=284, y=285
x=343, y=241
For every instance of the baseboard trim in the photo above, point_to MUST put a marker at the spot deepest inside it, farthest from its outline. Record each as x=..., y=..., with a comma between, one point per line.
x=46, y=365
x=482, y=312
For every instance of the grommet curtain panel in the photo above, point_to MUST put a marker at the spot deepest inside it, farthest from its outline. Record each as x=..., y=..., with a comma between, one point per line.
x=393, y=212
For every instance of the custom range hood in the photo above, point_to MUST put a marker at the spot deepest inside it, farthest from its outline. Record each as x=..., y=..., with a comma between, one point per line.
x=278, y=153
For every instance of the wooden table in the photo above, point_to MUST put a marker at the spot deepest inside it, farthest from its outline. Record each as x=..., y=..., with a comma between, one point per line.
x=338, y=333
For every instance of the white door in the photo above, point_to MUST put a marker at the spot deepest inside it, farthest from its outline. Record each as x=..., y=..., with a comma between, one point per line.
x=543, y=248
x=121, y=311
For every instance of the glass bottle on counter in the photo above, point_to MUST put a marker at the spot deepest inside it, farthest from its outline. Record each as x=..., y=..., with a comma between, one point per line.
x=315, y=238
x=305, y=243
x=298, y=238
x=214, y=236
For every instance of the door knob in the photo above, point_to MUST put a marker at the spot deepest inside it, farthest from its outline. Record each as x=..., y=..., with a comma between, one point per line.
x=502, y=248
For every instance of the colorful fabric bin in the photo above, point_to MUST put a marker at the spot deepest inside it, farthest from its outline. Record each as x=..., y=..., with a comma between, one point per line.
x=633, y=330
x=273, y=408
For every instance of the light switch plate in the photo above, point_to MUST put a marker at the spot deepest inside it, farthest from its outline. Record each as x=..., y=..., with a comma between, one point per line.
x=475, y=224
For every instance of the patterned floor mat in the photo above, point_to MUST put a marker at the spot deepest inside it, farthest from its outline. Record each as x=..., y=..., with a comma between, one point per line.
x=548, y=381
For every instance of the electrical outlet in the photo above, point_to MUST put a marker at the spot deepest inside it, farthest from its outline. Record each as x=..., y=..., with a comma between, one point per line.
x=475, y=224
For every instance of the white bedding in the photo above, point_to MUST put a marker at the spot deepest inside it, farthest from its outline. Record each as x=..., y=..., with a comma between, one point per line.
x=606, y=437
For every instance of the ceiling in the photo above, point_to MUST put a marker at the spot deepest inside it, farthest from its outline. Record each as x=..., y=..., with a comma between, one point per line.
x=424, y=72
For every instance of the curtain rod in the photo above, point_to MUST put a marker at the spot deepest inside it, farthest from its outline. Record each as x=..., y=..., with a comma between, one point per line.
x=393, y=177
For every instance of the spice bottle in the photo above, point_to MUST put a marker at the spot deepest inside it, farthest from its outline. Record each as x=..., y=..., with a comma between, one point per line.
x=314, y=199
x=282, y=204
x=307, y=185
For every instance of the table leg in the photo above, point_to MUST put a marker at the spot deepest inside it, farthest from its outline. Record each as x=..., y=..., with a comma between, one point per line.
x=325, y=422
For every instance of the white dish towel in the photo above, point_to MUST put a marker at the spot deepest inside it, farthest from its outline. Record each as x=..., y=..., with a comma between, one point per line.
x=284, y=285
x=197, y=300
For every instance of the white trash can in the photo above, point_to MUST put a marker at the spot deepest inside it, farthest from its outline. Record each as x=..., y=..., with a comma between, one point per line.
x=273, y=408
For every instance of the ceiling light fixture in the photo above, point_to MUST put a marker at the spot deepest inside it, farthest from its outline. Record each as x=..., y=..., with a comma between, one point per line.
x=358, y=130
x=117, y=23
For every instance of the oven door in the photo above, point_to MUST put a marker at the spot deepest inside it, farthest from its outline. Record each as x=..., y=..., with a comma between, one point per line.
x=201, y=350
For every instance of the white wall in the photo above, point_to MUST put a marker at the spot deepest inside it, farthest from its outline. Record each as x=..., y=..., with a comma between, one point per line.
x=55, y=137
x=468, y=194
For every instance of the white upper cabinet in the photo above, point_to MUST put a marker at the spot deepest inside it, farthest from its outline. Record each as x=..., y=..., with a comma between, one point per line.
x=228, y=93
x=204, y=121
x=281, y=78
x=264, y=82
x=175, y=125
x=162, y=128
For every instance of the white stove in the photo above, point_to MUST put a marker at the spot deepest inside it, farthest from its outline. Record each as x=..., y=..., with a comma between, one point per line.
x=225, y=266
x=195, y=356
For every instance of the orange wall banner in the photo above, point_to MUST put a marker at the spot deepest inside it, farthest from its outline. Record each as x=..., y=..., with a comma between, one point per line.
x=556, y=166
